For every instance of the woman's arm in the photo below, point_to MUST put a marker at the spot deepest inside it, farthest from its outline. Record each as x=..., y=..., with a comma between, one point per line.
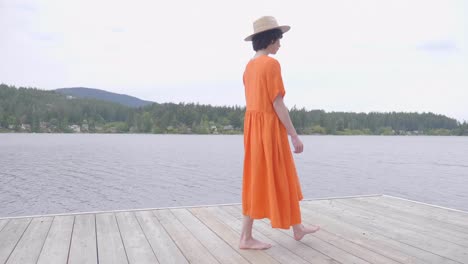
x=283, y=114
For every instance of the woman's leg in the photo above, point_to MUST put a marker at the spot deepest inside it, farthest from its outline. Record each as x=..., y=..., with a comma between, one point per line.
x=246, y=240
x=300, y=230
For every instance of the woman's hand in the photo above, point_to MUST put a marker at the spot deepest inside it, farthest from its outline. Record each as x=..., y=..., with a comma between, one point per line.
x=297, y=143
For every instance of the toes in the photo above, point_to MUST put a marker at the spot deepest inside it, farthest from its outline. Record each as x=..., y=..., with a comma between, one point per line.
x=261, y=247
x=315, y=229
x=255, y=244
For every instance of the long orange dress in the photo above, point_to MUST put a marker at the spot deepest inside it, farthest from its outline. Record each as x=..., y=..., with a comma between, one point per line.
x=271, y=187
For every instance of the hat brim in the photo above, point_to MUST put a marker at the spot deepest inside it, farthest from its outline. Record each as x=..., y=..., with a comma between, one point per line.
x=283, y=29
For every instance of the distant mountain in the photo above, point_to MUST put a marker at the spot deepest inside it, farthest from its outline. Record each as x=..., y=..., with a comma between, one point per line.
x=82, y=92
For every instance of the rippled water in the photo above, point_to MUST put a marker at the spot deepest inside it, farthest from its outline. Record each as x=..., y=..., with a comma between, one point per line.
x=60, y=173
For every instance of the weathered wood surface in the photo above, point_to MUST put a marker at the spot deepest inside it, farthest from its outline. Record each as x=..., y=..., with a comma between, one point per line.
x=367, y=229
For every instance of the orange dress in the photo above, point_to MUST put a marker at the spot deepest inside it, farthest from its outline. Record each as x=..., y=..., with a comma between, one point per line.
x=270, y=187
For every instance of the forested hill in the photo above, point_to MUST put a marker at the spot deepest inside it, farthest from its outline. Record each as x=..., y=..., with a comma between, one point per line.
x=33, y=110
x=82, y=92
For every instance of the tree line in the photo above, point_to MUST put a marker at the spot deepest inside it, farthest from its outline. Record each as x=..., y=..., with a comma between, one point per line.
x=33, y=110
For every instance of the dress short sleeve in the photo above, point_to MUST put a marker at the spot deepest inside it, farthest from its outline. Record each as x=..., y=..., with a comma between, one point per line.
x=275, y=84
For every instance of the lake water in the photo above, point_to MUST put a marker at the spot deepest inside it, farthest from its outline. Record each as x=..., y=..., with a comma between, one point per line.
x=61, y=173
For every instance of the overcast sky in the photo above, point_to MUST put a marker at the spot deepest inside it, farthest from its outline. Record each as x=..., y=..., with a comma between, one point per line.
x=340, y=55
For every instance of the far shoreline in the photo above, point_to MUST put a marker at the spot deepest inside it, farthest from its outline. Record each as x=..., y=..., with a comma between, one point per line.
x=225, y=134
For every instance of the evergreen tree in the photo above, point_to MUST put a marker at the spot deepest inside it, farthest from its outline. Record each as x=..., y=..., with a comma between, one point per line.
x=32, y=107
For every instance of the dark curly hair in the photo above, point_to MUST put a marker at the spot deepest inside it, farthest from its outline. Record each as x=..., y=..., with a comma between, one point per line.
x=263, y=39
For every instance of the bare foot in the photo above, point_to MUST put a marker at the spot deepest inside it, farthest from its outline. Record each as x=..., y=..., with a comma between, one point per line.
x=302, y=230
x=253, y=243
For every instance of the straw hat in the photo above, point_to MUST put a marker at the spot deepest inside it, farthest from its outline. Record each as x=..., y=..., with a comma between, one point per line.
x=266, y=23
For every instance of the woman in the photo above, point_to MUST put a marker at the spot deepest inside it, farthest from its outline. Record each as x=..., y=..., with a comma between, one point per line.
x=271, y=188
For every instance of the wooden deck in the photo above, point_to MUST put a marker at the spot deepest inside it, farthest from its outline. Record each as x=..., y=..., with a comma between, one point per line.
x=367, y=229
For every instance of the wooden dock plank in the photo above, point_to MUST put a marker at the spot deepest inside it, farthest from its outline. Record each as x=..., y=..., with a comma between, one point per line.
x=57, y=243
x=83, y=248
x=363, y=237
x=336, y=247
x=441, y=214
x=415, y=254
x=136, y=245
x=408, y=234
x=421, y=225
x=280, y=253
x=217, y=246
x=414, y=214
x=163, y=245
x=341, y=250
x=284, y=239
x=109, y=242
x=192, y=249
x=3, y=223
x=30, y=245
x=231, y=237
x=377, y=230
x=376, y=224
x=234, y=210
x=10, y=235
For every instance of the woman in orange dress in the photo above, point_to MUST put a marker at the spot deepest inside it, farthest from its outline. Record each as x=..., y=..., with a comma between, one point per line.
x=271, y=187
